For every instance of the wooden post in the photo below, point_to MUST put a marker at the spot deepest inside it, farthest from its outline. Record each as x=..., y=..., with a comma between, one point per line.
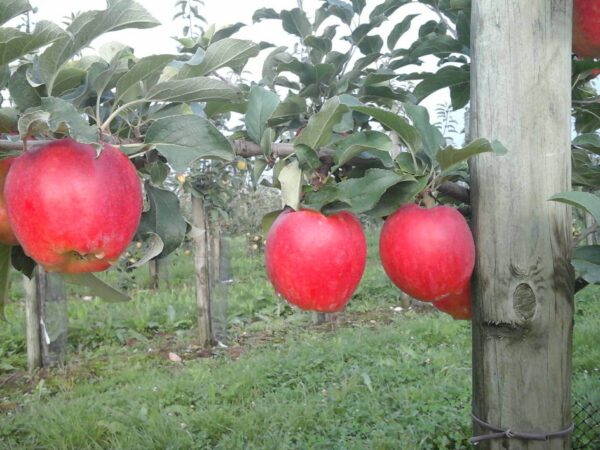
x=50, y=292
x=46, y=320
x=221, y=278
x=201, y=252
x=523, y=285
x=319, y=318
x=32, y=326
x=153, y=272
x=158, y=269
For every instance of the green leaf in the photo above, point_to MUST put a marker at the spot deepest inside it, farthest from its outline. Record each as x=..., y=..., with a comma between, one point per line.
x=449, y=76
x=217, y=107
x=406, y=132
x=22, y=93
x=398, y=195
x=261, y=105
x=12, y=8
x=398, y=31
x=273, y=59
x=68, y=79
x=295, y=22
x=320, y=198
x=22, y=262
x=198, y=89
x=435, y=44
x=163, y=219
x=319, y=129
x=86, y=27
x=226, y=32
x=268, y=219
x=158, y=170
x=9, y=118
x=584, y=171
x=370, y=44
x=228, y=52
x=431, y=136
x=5, y=253
x=450, y=157
x=463, y=28
x=358, y=5
x=152, y=246
x=266, y=141
x=103, y=77
x=355, y=144
x=364, y=193
x=387, y=8
x=264, y=13
x=184, y=139
x=321, y=44
x=58, y=115
x=144, y=69
x=340, y=9
x=290, y=179
x=584, y=200
x=586, y=261
x=291, y=108
x=590, y=141
x=15, y=44
x=361, y=31
x=307, y=158
x=96, y=287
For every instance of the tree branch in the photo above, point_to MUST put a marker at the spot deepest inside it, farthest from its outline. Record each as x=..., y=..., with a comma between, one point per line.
x=456, y=191
x=248, y=149
x=585, y=233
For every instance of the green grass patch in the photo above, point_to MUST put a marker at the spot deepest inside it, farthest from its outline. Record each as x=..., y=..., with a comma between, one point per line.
x=376, y=379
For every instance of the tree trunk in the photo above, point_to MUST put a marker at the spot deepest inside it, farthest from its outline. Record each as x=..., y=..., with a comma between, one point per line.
x=47, y=321
x=523, y=285
x=201, y=252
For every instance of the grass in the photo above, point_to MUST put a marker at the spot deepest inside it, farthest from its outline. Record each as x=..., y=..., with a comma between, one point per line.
x=378, y=379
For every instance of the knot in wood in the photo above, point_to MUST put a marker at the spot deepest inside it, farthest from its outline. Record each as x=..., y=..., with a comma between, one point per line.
x=524, y=301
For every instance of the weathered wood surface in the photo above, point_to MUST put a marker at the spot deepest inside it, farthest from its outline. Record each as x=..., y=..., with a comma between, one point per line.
x=523, y=285
x=201, y=251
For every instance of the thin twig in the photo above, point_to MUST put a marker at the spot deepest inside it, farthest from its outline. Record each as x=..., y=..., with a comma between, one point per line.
x=585, y=233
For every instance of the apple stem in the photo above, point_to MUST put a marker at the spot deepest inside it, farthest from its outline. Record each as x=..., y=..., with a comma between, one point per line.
x=428, y=200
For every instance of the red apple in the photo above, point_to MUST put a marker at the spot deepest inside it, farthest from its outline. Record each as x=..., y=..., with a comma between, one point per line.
x=315, y=261
x=457, y=304
x=427, y=253
x=586, y=28
x=6, y=233
x=71, y=210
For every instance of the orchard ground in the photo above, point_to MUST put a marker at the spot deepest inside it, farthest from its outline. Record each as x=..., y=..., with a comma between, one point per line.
x=380, y=378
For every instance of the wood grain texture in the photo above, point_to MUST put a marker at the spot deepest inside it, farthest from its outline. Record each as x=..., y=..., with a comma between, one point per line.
x=523, y=284
x=201, y=267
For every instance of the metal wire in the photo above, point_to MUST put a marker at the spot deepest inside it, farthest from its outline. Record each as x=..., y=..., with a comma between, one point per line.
x=586, y=416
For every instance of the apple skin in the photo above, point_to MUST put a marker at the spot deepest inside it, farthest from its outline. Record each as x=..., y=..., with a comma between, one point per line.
x=457, y=304
x=586, y=28
x=6, y=233
x=427, y=253
x=315, y=261
x=71, y=211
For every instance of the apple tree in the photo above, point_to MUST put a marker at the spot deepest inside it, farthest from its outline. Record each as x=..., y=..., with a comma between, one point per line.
x=144, y=105
x=337, y=124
